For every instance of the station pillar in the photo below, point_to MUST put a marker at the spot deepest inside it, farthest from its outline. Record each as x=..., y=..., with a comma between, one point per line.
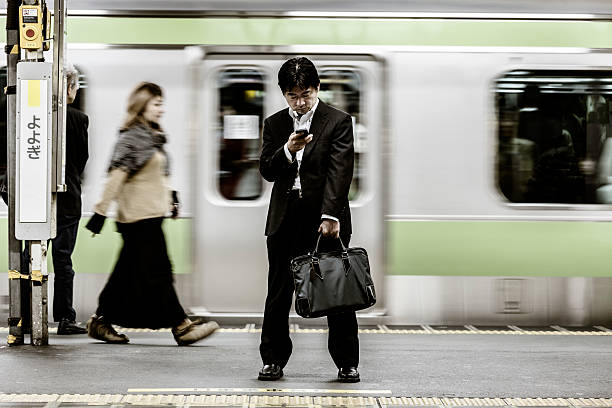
x=19, y=284
x=36, y=118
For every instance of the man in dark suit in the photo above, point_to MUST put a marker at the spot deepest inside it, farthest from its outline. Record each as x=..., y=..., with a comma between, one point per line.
x=311, y=172
x=69, y=212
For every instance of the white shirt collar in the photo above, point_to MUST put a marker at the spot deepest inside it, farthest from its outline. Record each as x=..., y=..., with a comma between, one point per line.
x=305, y=117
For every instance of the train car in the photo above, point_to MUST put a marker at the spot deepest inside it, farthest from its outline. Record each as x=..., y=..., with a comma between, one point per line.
x=481, y=181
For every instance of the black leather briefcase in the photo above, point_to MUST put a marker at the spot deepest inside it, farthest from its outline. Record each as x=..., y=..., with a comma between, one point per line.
x=332, y=282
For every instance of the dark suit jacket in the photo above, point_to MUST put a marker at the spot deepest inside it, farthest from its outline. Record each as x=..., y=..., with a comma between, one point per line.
x=325, y=173
x=77, y=153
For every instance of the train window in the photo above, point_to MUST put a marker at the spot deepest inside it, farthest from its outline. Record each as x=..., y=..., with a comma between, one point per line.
x=342, y=88
x=241, y=109
x=555, y=136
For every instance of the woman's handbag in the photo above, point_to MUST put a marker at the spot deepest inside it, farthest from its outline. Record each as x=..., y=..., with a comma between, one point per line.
x=332, y=282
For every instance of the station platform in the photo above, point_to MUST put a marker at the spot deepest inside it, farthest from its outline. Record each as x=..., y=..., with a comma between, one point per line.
x=425, y=366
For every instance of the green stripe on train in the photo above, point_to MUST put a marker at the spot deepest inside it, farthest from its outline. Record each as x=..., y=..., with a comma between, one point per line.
x=498, y=248
x=98, y=254
x=457, y=248
x=284, y=31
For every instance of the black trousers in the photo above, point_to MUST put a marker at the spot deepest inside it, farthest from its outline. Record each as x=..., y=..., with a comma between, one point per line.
x=62, y=247
x=295, y=237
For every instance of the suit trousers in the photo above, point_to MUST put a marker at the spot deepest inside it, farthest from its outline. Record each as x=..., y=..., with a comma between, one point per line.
x=295, y=237
x=62, y=248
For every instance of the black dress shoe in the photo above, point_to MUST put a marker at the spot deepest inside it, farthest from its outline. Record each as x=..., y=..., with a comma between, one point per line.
x=348, y=375
x=67, y=327
x=270, y=372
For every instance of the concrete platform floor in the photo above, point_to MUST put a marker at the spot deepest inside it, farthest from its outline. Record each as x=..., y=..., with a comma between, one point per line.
x=444, y=369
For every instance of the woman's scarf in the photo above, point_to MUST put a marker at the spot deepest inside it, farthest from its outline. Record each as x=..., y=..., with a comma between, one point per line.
x=135, y=148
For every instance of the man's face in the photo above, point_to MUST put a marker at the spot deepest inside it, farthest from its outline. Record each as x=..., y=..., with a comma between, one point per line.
x=302, y=100
x=72, y=91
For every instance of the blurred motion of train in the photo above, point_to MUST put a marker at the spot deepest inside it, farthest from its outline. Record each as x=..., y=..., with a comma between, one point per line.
x=482, y=185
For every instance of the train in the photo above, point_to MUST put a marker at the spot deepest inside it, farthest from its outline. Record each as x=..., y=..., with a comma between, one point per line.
x=480, y=135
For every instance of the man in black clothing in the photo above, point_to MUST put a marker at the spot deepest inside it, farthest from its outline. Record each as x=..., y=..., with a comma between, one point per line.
x=69, y=212
x=308, y=154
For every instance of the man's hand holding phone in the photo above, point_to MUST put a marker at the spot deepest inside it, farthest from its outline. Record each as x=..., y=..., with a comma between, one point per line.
x=298, y=140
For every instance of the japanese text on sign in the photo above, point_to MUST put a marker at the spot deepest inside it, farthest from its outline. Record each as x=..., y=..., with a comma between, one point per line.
x=33, y=151
x=34, y=140
x=30, y=15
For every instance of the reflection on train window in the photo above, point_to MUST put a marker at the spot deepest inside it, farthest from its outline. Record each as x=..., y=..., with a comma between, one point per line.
x=555, y=139
x=341, y=88
x=241, y=109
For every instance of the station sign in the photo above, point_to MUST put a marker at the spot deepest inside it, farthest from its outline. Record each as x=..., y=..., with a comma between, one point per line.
x=33, y=220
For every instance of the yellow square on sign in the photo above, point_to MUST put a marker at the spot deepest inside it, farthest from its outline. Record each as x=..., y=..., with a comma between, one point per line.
x=34, y=93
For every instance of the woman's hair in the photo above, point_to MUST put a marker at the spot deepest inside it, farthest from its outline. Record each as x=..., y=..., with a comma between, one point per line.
x=137, y=102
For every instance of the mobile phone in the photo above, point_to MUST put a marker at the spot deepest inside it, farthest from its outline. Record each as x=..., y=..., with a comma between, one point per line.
x=301, y=133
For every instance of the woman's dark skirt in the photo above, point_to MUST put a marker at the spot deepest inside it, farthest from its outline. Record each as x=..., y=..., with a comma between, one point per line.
x=140, y=291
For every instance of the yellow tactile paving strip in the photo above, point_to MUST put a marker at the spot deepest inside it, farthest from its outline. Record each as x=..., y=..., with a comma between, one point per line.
x=255, y=391
x=294, y=401
x=382, y=329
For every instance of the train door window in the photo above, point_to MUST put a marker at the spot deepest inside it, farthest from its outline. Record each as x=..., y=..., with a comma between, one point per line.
x=555, y=136
x=239, y=126
x=342, y=88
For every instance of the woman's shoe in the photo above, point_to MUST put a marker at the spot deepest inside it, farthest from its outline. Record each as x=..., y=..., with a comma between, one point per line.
x=190, y=332
x=99, y=330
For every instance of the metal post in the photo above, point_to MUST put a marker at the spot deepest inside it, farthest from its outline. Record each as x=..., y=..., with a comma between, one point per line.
x=59, y=100
x=39, y=277
x=18, y=285
x=38, y=287
x=33, y=217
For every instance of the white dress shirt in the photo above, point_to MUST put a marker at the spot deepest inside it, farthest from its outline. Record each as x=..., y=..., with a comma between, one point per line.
x=302, y=122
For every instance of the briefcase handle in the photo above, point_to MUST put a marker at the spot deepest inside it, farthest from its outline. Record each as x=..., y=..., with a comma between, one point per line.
x=315, y=270
x=316, y=250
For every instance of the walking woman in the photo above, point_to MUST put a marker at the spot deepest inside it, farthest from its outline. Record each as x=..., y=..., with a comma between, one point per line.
x=140, y=291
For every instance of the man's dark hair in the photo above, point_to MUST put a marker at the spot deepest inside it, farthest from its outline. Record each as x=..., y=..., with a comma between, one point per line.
x=298, y=72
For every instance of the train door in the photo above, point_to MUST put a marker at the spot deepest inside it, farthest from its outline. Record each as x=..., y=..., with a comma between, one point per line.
x=236, y=92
